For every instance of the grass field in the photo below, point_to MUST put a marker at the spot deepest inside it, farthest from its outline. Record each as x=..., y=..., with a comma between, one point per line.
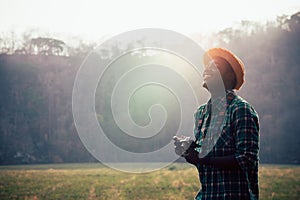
x=94, y=181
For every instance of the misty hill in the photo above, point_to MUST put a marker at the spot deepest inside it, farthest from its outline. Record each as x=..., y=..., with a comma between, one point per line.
x=36, y=118
x=36, y=123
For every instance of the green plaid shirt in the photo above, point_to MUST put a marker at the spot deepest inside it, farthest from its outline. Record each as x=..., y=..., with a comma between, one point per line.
x=228, y=126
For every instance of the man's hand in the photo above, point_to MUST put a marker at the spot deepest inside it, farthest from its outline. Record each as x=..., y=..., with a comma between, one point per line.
x=185, y=147
x=192, y=156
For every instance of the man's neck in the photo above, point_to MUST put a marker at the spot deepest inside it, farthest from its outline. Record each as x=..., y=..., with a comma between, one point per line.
x=216, y=94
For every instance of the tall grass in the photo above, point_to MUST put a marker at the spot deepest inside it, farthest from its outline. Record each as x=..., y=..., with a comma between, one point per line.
x=95, y=181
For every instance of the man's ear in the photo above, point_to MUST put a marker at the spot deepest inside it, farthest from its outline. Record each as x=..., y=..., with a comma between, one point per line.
x=232, y=80
x=229, y=80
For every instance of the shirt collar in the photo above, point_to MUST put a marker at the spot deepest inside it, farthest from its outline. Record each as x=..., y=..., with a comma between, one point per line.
x=221, y=102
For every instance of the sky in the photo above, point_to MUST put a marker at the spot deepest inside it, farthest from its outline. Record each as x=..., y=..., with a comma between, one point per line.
x=97, y=19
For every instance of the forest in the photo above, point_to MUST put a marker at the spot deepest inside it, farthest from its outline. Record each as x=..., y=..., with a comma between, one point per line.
x=37, y=76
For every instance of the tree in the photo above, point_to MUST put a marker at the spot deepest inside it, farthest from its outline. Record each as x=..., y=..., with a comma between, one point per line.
x=47, y=46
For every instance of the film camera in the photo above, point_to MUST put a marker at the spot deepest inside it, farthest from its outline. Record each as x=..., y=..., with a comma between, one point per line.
x=182, y=144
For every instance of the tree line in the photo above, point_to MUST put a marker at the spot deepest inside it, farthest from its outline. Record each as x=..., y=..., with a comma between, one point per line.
x=37, y=76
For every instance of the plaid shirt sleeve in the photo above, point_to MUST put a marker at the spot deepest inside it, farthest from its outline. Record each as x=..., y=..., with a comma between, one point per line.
x=198, y=113
x=246, y=130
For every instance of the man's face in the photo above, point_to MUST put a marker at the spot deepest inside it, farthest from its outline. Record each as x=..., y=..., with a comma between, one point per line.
x=217, y=73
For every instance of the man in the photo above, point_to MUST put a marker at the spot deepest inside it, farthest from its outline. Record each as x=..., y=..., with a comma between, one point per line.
x=227, y=133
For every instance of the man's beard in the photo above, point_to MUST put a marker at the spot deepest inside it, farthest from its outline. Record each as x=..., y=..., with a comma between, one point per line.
x=214, y=88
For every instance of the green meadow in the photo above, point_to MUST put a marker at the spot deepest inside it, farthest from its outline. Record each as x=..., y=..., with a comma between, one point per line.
x=95, y=181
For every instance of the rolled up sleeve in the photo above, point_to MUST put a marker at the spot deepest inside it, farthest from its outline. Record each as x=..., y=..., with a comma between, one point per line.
x=246, y=131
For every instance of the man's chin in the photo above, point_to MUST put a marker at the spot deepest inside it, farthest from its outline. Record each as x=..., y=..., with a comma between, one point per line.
x=212, y=87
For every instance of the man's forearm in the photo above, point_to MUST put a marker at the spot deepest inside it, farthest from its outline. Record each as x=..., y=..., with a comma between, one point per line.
x=224, y=162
